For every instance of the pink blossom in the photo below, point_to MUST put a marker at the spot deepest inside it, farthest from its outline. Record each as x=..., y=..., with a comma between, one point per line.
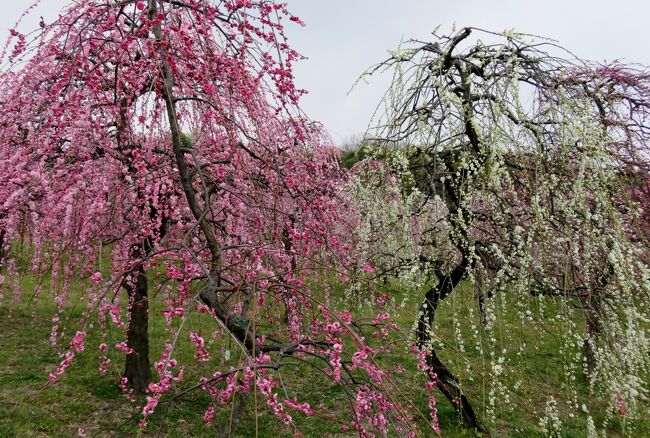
x=77, y=342
x=208, y=415
x=122, y=346
x=103, y=364
x=96, y=277
x=303, y=407
x=148, y=409
x=201, y=354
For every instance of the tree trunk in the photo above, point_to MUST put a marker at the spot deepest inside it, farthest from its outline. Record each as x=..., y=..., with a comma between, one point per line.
x=137, y=369
x=446, y=382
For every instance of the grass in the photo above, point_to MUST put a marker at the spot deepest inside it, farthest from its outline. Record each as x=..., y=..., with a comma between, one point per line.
x=535, y=356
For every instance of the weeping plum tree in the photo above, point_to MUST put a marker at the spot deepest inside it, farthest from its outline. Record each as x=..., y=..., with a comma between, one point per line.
x=164, y=136
x=506, y=163
x=92, y=137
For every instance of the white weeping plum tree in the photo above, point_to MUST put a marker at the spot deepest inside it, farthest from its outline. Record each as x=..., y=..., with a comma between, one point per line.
x=503, y=162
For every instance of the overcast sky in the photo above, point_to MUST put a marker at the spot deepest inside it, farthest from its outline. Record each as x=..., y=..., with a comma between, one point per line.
x=344, y=37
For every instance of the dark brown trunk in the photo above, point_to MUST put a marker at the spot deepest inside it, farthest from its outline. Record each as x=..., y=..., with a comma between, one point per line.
x=137, y=369
x=446, y=382
x=448, y=385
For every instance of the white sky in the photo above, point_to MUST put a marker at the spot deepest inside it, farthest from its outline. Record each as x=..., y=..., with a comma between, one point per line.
x=344, y=37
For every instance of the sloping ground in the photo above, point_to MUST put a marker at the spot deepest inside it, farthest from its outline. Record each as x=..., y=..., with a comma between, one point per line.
x=83, y=398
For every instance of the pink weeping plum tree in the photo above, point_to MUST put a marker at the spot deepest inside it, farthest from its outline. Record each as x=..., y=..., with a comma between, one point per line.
x=157, y=145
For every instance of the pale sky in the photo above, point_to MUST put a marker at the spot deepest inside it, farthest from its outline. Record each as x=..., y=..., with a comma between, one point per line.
x=344, y=37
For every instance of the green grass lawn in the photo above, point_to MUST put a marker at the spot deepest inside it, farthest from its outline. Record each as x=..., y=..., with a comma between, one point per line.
x=534, y=365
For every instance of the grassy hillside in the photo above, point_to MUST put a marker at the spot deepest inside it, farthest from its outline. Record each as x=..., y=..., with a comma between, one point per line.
x=534, y=364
